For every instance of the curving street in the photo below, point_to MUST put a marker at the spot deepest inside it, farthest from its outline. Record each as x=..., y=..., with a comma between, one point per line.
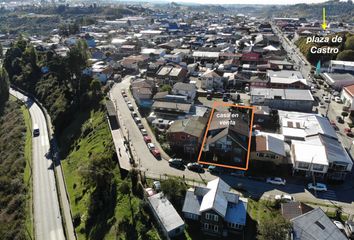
x=47, y=218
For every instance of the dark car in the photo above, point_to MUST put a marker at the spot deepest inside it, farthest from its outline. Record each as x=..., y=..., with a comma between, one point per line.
x=209, y=97
x=176, y=162
x=195, y=167
x=339, y=119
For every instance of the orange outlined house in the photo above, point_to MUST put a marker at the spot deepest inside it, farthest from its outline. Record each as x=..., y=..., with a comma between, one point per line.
x=227, y=139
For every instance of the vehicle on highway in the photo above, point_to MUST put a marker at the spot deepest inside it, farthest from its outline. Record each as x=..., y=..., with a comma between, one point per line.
x=195, y=167
x=156, y=153
x=340, y=119
x=284, y=198
x=35, y=130
x=151, y=146
x=147, y=139
x=349, y=225
x=176, y=162
x=321, y=187
x=276, y=181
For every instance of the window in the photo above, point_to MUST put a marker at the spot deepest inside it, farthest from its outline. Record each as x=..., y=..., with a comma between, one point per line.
x=261, y=155
x=183, y=137
x=216, y=228
x=207, y=216
x=317, y=167
x=276, y=157
x=216, y=218
x=206, y=226
x=303, y=165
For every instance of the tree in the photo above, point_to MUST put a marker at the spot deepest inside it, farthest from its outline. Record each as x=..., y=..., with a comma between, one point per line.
x=4, y=87
x=166, y=88
x=174, y=190
x=349, y=43
x=1, y=51
x=346, y=55
x=274, y=228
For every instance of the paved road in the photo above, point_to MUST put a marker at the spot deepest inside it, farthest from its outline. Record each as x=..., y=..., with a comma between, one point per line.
x=47, y=218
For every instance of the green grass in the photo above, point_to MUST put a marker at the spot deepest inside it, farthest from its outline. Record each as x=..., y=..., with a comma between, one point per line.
x=96, y=141
x=27, y=177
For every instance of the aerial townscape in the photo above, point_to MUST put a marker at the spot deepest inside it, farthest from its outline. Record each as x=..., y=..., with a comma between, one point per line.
x=190, y=120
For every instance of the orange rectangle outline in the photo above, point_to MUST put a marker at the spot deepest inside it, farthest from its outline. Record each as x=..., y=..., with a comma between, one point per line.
x=206, y=132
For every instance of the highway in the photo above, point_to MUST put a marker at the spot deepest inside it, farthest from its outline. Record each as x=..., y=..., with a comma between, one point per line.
x=47, y=218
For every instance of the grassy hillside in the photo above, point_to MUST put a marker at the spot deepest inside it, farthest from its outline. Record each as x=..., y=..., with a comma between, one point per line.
x=15, y=206
x=101, y=201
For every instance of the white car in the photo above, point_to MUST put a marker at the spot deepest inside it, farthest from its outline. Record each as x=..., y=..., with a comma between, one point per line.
x=130, y=106
x=151, y=146
x=144, y=132
x=318, y=187
x=338, y=100
x=284, y=198
x=276, y=181
x=326, y=99
x=340, y=226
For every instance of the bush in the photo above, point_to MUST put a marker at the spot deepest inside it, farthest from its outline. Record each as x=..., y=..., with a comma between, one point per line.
x=76, y=220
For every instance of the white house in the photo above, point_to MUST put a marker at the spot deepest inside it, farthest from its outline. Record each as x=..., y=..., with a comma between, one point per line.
x=186, y=89
x=347, y=95
x=211, y=80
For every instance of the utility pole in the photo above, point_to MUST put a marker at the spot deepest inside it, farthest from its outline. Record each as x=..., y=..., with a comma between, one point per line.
x=313, y=176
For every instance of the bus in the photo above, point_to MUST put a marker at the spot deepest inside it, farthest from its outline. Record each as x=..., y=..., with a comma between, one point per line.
x=35, y=130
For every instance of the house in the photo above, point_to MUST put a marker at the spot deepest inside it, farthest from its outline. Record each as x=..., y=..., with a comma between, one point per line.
x=268, y=148
x=284, y=99
x=133, y=62
x=341, y=66
x=286, y=79
x=338, y=80
x=171, y=223
x=219, y=211
x=347, y=95
x=315, y=149
x=290, y=210
x=186, y=89
x=227, y=140
x=206, y=56
x=315, y=225
x=211, y=80
x=171, y=75
x=142, y=91
x=281, y=65
x=187, y=134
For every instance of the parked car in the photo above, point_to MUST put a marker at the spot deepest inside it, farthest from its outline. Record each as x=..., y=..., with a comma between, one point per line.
x=137, y=120
x=284, y=198
x=276, y=181
x=334, y=125
x=340, y=119
x=140, y=126
x=196, y=167
x=340, y=226
x=143, y=131
x=349, y=225
x=321, y=187
x=209, y=97
x=130, y=106
x=176, y=162
x=156, y=153
x=134, y=114
x=321, y=105
x=151, y=146
x=338, y=100
x=157, y=186
x=326, y=99
x=147, y=139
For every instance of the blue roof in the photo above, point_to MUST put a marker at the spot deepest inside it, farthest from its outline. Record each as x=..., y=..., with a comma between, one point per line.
x=236, y=213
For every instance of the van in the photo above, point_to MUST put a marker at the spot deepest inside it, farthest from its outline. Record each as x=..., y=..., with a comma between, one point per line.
x=35, y=130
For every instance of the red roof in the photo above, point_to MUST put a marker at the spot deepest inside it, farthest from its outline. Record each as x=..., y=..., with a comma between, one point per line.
x=350, y=90
x=252, y=56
